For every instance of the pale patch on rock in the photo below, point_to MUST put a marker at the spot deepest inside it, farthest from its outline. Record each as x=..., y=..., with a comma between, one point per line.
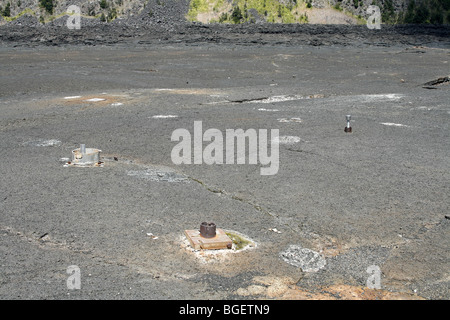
x=306, y=259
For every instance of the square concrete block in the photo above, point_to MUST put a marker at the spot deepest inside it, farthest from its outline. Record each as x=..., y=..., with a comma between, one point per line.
x=220, y=241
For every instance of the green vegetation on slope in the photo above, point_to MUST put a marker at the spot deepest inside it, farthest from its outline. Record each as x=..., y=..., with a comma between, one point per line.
x=431, y=11
x=241, y=11
x=293, y=11
x=48, y=5
x=417, y=11
x=105, y=10
x=7, y=11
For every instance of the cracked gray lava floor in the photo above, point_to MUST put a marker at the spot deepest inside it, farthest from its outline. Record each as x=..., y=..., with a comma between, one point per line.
x=378, y=196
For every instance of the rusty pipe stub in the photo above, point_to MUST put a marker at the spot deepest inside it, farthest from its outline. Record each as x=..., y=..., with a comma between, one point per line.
x=348, y=128
x=208, y=229
x=85, y=156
